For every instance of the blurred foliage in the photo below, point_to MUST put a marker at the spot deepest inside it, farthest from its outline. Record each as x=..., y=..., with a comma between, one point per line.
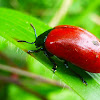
x=80, y=13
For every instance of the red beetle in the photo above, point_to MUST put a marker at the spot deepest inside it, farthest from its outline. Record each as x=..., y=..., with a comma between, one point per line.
x=72, y=44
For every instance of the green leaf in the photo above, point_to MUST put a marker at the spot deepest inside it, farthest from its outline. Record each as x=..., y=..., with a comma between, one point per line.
x=16, y=26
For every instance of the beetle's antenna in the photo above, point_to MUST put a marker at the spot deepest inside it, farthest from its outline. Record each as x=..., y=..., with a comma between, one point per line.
x=25, y=41
x=34, y=29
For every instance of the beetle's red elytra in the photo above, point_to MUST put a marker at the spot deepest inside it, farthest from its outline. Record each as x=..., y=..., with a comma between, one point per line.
x=70, y=43
x=76, y=45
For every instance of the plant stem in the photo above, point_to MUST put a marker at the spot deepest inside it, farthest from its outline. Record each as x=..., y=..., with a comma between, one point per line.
x=17, y=82
x=31, y=75
x=95, y=18
x=60, y=13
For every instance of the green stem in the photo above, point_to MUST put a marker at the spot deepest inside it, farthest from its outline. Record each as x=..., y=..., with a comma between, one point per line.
x=60, y=13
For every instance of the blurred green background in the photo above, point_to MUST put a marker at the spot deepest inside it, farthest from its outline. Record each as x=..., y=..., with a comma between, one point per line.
x=83, y=13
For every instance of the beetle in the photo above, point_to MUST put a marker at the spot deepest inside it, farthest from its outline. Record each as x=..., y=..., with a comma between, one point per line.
x=70, y=43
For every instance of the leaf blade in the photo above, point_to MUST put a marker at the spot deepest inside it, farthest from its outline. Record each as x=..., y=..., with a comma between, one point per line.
x=15, y=26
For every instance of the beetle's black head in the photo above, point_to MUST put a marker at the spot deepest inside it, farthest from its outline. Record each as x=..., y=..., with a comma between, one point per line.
x=40, y=40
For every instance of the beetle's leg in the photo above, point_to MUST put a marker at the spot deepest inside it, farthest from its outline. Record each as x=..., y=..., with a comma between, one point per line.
x=66, y=65
x=52, y=61
x=48, y=55
x=32, y=51
x=25, y=41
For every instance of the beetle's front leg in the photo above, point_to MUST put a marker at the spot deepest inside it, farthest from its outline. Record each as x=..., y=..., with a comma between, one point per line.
x=52, y=61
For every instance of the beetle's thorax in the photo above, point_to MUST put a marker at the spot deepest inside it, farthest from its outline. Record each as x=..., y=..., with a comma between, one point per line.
x=40, y=40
